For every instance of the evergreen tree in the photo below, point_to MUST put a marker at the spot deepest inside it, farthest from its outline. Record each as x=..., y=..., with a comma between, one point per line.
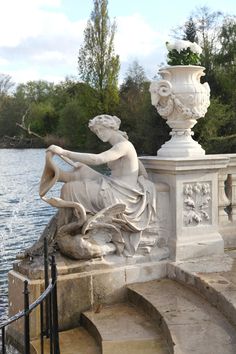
x=190, y=31
x=98, y=64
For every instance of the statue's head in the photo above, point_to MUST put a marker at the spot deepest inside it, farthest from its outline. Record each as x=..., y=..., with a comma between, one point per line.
x=110, y=122
x=106, y=121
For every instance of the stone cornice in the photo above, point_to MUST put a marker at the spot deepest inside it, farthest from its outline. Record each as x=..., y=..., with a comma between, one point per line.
x=188, y=164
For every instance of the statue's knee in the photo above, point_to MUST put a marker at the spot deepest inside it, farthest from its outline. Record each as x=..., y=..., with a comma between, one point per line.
x=64, y=190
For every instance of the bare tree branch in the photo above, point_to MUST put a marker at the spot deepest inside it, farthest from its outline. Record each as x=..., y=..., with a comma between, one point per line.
x=27, y=129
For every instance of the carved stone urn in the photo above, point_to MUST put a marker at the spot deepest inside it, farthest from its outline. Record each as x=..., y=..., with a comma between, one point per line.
x=181, y=99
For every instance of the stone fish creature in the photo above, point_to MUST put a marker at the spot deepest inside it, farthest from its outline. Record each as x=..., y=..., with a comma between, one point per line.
x=100, y=214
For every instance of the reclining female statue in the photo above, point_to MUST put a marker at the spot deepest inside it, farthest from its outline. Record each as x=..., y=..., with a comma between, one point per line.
x=115, y=213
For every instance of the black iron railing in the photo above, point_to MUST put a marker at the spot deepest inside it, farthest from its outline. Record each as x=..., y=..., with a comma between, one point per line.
x=48, y=311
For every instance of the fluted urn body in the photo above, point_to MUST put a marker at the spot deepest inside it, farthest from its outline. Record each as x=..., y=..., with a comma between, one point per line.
x=181, y=99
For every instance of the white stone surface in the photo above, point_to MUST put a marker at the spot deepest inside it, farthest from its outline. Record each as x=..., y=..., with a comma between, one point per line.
x=181, y=99
x=193, y=212
x=115, y=213
x=227, y=199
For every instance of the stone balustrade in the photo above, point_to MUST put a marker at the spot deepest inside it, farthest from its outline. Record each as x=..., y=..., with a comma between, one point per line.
x=227, y=202
x=202, y=202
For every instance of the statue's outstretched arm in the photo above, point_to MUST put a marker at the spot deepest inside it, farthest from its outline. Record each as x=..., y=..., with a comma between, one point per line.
x=112, y=154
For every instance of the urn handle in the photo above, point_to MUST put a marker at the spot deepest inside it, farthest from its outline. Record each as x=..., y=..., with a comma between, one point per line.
x=161, y=96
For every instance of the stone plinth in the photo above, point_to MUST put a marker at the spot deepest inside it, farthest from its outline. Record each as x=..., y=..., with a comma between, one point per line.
x=82, y=285
x=193, y=212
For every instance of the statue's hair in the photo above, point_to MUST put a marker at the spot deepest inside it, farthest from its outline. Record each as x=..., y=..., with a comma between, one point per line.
x=107, y=121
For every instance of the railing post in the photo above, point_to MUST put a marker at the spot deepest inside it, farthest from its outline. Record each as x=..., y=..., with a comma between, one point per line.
x=49, y=294
x=26, y=319
x=56, y=344
x=3, y=341
x=41, y=329
x=223, y=200
x=46, y=283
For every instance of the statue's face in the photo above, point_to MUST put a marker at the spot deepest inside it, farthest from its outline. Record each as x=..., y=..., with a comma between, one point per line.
x=103, y=133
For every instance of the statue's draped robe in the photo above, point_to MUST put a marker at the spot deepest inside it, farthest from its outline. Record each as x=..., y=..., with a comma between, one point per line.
x=140, y=213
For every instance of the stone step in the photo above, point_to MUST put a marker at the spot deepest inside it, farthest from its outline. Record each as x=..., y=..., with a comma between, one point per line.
x=213, y=277
x=190, y=323
x=74, y=341
x=123, y=329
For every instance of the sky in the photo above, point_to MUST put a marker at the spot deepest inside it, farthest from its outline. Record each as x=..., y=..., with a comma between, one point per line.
x=40, y=39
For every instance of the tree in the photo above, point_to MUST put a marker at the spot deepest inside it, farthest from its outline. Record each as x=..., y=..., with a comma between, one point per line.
x=146, y=129
x=203, y=26
x=35, y=91
x=98, y=64
x=190, y=30
x=80, y=105
x=208, y=25
x=136, y=74
x=227, y=37
x=5, y=84
x=217, y=36
x=10, y=114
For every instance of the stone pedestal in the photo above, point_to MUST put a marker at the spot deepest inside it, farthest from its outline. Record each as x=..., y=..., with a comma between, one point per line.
x=193, y=212
x=82, y=285
x=182, y=145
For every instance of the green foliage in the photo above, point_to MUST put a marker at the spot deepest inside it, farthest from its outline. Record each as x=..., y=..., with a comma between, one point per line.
x=184, y=57
x=10, y=114
x=217, y=122
x=222, y=145
x=225, y=60
x=227, y=37
x=73, y=124
x=98, y=64
x=145, y=128
x=35, y=91
x=42, y=118
x=6, y=102
x=82, y=104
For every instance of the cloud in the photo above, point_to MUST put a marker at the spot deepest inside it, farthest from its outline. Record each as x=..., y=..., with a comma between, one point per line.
x=30, y=20
x=24, y=75
x=37, y=35
x=137, y=40
x=135, y=37
x=49, y=56
x=3, y=61
x=22, y=19
x=38, y=41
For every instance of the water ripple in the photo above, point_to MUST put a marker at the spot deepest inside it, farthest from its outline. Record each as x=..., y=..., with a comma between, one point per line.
x=22, y=213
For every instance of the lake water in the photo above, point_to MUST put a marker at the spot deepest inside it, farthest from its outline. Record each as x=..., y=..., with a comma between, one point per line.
x=23, y=215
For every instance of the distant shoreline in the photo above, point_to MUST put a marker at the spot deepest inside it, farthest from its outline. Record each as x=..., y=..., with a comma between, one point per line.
x=16, y=142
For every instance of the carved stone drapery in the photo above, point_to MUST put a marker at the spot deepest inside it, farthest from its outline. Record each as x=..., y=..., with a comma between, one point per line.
x=197, y=203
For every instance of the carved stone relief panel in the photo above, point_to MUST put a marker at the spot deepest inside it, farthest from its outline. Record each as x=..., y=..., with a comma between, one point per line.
x=197, y=199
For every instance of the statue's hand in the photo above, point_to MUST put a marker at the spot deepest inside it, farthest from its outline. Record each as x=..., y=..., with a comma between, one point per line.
x=55, y=149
